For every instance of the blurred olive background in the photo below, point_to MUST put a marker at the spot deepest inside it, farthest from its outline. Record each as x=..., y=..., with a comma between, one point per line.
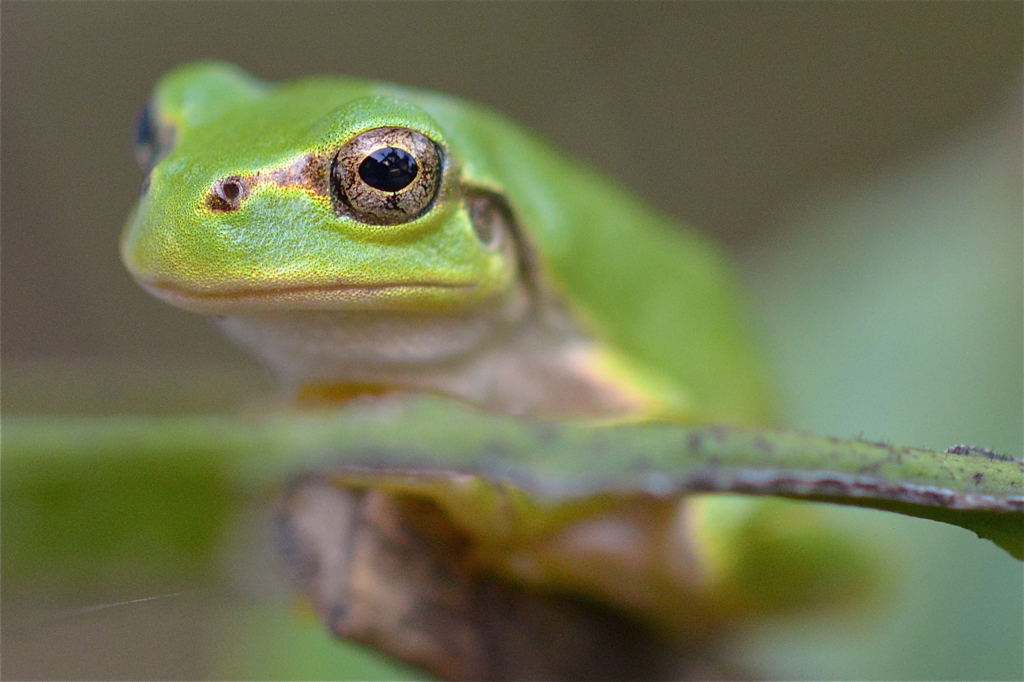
x=862, y=160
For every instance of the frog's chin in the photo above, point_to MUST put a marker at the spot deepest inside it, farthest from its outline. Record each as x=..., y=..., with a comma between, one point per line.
x=501, y=360
x=411, y=296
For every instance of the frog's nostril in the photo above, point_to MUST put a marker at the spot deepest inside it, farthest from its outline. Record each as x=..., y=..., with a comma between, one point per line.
x=230, y=190
x=228, y=193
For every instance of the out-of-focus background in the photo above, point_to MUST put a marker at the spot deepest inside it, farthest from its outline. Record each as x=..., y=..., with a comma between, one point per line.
x=861, y=160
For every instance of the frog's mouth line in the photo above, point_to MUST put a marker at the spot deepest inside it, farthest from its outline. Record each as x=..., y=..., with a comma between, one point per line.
x=406, y=295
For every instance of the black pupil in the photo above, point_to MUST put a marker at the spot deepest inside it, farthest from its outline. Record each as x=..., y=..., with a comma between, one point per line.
x=388, y=169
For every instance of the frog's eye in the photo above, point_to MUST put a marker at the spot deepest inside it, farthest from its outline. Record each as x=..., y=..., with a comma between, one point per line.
x=386, y=176
x=144, y=139
x=151, y=140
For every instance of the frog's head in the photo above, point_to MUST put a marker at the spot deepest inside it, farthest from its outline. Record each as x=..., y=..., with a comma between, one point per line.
x=362, y=237
x=319, y=195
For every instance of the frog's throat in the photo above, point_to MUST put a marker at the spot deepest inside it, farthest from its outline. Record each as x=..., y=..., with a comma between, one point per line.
x=537, y=368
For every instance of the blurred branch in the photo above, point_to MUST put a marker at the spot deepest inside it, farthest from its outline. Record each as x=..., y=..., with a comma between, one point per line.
x=423, y=443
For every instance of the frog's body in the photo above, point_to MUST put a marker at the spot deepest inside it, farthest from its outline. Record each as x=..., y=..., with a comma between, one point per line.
x=365, y=238
x=509, y=278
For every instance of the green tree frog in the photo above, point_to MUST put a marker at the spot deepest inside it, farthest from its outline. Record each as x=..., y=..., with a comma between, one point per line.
x=365, y=238
x=362, y=237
